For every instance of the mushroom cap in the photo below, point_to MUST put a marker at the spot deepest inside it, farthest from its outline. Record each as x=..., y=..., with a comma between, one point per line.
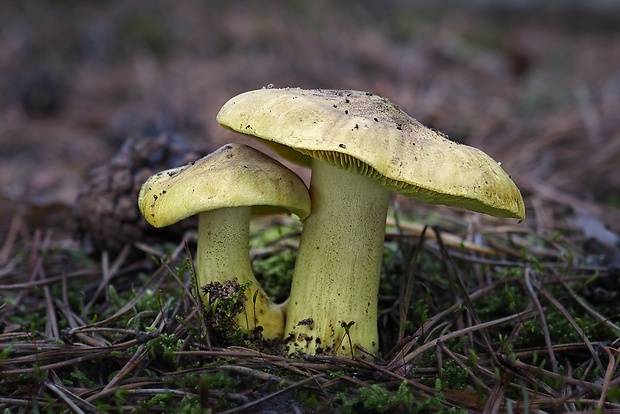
x=234, y=175
x=369, y=134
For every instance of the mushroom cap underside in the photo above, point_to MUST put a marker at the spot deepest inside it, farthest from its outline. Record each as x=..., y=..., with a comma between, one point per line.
x=369, y=134
x=235, y=175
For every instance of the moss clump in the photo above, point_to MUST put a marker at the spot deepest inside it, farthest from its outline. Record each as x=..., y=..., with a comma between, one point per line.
x=377, y=399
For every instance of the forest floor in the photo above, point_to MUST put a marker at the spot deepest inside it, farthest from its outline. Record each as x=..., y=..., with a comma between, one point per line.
x=511, y=315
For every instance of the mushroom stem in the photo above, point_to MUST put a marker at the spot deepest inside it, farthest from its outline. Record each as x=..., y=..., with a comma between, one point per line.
x=336, y=279
x=223, y=254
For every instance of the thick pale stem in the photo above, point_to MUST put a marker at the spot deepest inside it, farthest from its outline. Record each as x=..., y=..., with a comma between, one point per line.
x=223, y=254
x=336, y=279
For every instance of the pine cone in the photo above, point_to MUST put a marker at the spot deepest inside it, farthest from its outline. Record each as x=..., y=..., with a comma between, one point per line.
x=106, y=210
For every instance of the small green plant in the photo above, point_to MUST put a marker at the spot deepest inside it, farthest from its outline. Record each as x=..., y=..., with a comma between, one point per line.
x=159, y=401
x=226, y=300
x=454, y=375
x=275, y=272
x=163, y=349
x=377, y=399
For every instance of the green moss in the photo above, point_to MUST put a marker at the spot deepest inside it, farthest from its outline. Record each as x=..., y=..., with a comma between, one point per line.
x=275, y=251
x=308, y=399
x=454, y=375
x=378, y=399
x=160, y=401
x=275, y=273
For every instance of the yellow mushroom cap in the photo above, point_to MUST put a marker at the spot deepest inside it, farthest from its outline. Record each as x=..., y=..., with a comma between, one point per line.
x=369, y=134
x=235, y=175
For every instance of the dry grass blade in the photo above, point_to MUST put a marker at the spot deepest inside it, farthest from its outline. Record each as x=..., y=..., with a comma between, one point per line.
x=538, y=372
x=409, y=230
x=154, y=280
x=137, y=357
x=597, y=316
x=256, y=374
x=423, y=331
x=463, y=290
x=9, y=241
x=611, y=368
x=49, y=281
x=398, y=363
x=262, y=400
x=87, y=354
x=52, y=322
x=463, y=365
x=65, y=397
x=108, y=273
x=574, y=324
x=406, y=285
x=541, y=315
x=73, y=400
x=15, y=402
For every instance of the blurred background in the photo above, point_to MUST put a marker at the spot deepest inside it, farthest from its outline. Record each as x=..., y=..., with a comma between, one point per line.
x=535, y=84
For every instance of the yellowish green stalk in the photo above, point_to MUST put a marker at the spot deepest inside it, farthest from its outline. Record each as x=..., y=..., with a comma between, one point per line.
x=223, y=254
x=336, y=279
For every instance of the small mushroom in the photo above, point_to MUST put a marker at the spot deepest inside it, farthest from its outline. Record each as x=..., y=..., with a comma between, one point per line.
x=362, y=147
x=223, y=188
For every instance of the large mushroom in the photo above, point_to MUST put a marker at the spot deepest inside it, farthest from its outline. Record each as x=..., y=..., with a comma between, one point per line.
x=222, y=188
x=362, y=148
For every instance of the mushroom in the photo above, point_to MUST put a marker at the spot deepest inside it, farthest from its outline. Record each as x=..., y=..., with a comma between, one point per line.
x=222, y=188
x=362, y=148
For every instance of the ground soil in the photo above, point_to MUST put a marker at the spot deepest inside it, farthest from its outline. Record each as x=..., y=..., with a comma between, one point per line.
x=535, y=86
